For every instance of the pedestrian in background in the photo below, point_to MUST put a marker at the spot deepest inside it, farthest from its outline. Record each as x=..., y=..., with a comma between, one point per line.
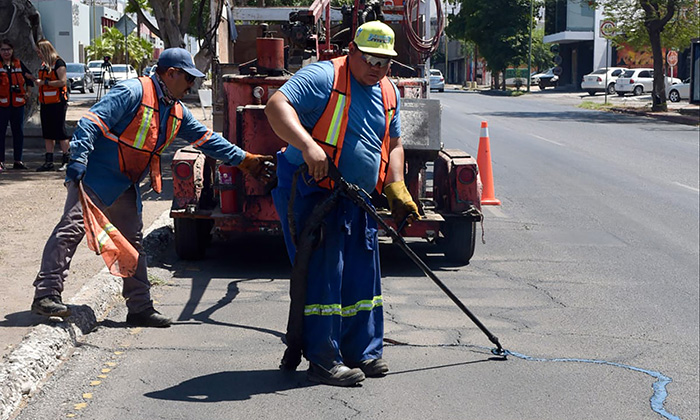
x=343, y=324
x=14, y=78
x=116, y=144
x=53, y=97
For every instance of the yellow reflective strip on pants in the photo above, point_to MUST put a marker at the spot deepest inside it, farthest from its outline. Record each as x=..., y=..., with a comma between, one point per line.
x=334, y=129
x=143, y=128
x=351, y=310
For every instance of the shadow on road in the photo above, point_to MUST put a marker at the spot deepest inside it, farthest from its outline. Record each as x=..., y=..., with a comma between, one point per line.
x=232, y=386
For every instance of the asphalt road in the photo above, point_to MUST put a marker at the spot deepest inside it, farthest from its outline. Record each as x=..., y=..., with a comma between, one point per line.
x=589, y=276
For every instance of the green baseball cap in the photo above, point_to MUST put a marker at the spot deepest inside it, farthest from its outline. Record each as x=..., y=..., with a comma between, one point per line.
x=375, y=37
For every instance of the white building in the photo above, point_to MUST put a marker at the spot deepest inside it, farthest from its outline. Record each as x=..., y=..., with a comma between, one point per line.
x=66, y=23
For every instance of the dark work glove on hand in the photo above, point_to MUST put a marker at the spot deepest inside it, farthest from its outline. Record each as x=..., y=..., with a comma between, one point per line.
x=75, y=171
x=260, y=167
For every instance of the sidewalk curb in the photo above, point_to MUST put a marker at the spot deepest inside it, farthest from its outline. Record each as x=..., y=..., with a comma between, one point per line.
x=42, y=350
x=665, y=116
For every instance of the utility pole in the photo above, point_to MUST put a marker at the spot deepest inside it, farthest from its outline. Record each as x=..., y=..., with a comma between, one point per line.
x=529, y=52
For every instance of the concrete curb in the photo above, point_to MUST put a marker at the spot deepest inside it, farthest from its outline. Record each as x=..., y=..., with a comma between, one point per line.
x=676, y=118
x=47, y=345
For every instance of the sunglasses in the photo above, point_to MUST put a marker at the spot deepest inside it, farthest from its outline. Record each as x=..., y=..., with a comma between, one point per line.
x=5, y=49
x=188, y=76
x=373, y=60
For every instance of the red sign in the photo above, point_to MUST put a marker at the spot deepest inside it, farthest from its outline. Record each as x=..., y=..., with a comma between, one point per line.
x=672, y=58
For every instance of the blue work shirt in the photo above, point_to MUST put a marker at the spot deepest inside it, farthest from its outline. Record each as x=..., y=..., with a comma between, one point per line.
x=116, y=110
x=309, y=91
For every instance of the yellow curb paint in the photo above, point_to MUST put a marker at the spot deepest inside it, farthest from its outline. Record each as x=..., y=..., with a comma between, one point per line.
x=95, y=383
x=111, y=364
x=102, y=376
x=106, y=370
x=80, y=406
x=87, y=395
x=118, y=352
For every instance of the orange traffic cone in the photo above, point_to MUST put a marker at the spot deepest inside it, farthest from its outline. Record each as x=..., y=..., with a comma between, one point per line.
x=483, y=160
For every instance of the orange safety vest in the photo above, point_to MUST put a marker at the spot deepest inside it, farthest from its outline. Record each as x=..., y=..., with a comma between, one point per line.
x=50, y=94
x=137, y=143
x=329, y=131
x=9, y=79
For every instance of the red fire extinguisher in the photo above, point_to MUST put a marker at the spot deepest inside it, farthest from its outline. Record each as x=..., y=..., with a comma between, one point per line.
x=227, y=197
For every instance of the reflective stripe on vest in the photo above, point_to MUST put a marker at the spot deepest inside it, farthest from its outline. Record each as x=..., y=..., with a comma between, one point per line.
x=50, y=94
x=329, y=131
x=13, y=77
x=348, y=311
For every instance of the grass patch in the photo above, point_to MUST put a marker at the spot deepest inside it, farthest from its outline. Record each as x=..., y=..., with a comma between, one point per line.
x=156, y=281
x=595, y=105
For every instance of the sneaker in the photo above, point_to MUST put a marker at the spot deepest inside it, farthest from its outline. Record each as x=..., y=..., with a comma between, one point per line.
x=47, y=166
x=19, y=165
x=373, y=368
x=2, y=167
x=50, y=306
x=64, y=162
x=339, y=375
x=62, y=167
x=148, y=318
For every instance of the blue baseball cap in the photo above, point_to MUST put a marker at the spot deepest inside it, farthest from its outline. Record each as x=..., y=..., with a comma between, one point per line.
x=179, y=58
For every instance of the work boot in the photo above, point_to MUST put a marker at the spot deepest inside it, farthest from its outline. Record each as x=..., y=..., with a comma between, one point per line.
x=148, y=318
x=50, y=306
x=64, y=162
x=19, y=165
x=339, y=375
x=48, y=164
x=373, y=368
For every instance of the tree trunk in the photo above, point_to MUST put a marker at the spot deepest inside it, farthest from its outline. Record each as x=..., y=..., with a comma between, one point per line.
x=21, y=24
x=658, y=94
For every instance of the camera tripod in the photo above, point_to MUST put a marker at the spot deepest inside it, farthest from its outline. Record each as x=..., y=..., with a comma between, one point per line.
x=105, y=70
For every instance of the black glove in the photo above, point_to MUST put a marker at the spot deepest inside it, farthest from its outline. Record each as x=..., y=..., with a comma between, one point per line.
x=75, y=171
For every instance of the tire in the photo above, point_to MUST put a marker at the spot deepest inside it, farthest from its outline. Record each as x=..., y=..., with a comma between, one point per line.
x=591, y=92
x=674, y=96
x=638, y=90
x=441, y=90
x=611, y=89
x=82, y=90
x=460, y=240
x=192, y=236
x=620, y=93
x=541, y=85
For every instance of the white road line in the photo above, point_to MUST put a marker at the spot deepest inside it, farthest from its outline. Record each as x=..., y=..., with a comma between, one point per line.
x=547, y=140
x=686, y=186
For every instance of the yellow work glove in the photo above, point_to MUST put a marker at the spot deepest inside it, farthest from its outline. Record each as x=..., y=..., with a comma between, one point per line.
x=260, y=167
x=400, y=203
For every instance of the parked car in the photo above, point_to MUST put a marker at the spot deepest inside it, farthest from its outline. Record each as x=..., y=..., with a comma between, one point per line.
x=95, y=67
x=679, y=91
x=437, y=82
x=638, y=81
x=545, y=79
x=120, y=72
x=596, y=81
x=79, y=77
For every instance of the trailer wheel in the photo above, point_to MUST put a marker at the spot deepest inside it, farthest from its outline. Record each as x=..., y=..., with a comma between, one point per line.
x=192, y=236
x=460, y=240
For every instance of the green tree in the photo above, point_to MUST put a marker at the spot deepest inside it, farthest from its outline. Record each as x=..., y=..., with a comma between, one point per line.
x=111, y=43
x=658, y=24
x=500, y=29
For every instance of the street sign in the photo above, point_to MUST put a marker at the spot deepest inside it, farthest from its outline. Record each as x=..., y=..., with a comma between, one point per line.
x=672, y=58
x=125, y=25
x=607, y=28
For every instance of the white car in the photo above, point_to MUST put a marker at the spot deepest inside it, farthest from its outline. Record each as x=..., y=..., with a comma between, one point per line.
x=120, y=72
x=679, y=91
x=638, y=81
x=596, y=81
x=437, y=82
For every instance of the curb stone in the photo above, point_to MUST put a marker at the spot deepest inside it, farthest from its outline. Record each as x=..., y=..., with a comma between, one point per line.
x=48, y=344
x=673, y=117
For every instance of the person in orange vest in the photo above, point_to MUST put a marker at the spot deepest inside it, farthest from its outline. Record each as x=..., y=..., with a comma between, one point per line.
x=14, y=76
x=345, y=110
x=116, y=144
x=53, y=97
